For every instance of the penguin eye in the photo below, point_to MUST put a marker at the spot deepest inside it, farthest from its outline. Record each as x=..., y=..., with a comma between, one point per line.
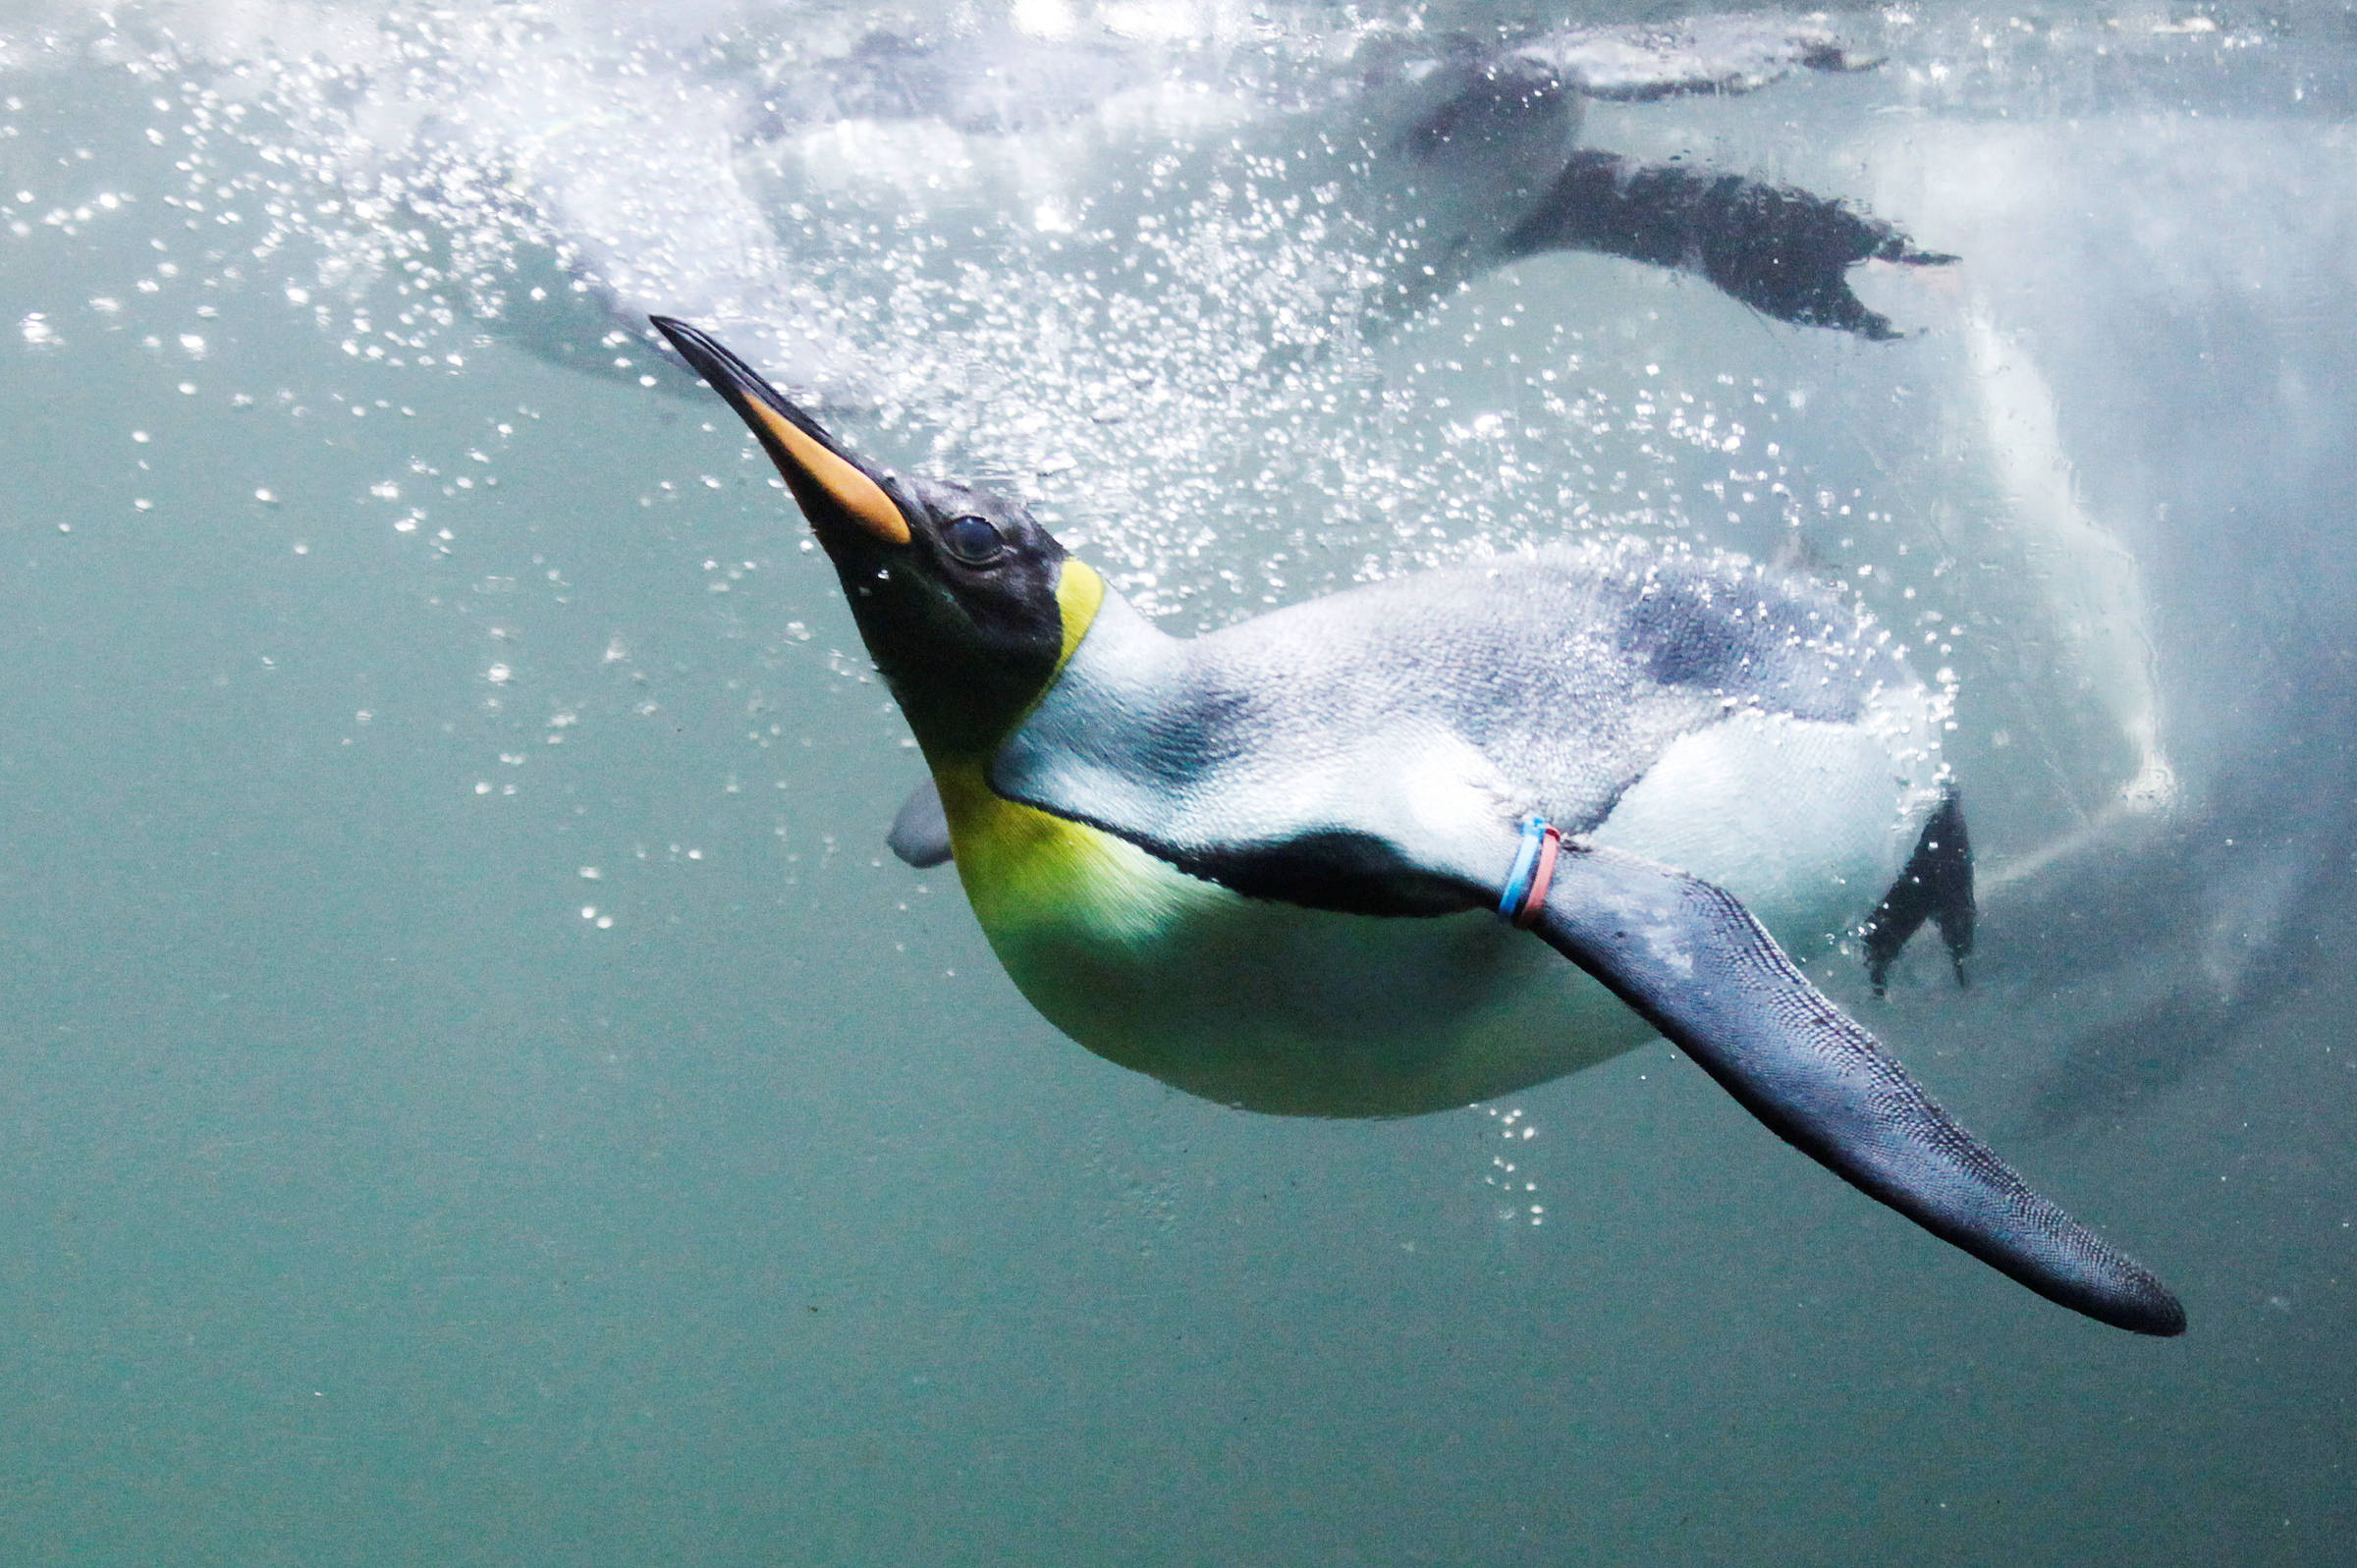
x=973, y=541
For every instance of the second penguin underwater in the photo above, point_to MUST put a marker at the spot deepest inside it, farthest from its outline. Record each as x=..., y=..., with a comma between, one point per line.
x=1262, y=864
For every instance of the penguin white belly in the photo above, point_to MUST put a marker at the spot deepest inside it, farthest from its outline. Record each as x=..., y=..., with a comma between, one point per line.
x=1260, y=1003
x=1280, y=1008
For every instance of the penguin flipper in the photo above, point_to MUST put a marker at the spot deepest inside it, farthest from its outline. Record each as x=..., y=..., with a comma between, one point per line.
x=1697, y=965
x=1783, y=250
x=920, y=833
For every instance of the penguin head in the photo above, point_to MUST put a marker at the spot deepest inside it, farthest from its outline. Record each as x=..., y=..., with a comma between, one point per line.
x=967, y=606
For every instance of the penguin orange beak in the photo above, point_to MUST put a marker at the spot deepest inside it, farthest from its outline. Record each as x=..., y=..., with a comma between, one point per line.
x=831, y=486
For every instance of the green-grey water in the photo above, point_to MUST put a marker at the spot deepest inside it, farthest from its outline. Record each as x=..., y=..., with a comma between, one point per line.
x=476, y=1091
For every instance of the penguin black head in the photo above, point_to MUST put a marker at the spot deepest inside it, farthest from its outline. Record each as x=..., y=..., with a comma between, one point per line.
x=963, y=599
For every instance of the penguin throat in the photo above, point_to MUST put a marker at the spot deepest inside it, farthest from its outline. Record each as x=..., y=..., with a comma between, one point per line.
x=966, y=721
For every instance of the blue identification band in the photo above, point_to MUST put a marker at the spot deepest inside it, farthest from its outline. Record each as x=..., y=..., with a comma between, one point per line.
x=1526, y=862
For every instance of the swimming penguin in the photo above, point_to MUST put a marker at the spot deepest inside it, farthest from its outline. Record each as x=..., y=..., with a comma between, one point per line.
x=763, y=199
x=1328, y=861
x=1437, y=166
x=1473, y=163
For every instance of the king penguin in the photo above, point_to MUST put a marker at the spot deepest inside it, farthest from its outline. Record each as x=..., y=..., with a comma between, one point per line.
x=1329, y=861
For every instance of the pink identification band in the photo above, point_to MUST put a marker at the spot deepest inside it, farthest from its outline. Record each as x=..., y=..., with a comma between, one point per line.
x=1542, y=874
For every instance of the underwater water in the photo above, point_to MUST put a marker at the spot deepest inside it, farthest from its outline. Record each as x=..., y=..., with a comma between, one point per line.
x=476, y=1090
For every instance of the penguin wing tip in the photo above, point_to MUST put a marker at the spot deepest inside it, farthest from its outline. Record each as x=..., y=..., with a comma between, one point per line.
x=920, y=833
x=2159, y=1316
x=2116, y=1292
x=925, y=858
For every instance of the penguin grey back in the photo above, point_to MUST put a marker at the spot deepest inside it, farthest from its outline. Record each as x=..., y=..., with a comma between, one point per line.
x=1331, y=744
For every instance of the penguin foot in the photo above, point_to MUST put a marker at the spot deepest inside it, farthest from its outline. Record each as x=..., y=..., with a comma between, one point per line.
x=1935, y=886
x=1783, y=250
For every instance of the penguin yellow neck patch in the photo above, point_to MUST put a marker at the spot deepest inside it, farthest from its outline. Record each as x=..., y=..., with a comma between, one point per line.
x=839, y=481
x=1080, y=594
x=1016, y=858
